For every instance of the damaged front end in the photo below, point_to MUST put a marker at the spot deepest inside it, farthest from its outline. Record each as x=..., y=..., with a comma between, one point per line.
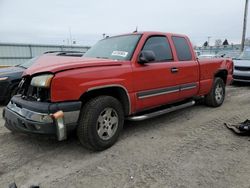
x=32, y=111
x=36, y=88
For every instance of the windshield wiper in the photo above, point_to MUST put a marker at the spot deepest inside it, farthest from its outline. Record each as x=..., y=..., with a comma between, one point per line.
x=102, y=57
x=21, y=66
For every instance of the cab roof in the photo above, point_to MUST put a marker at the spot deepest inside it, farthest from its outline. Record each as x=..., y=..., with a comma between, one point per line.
x=152, y=33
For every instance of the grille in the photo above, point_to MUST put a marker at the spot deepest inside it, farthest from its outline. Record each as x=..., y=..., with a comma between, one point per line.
x=242, y=68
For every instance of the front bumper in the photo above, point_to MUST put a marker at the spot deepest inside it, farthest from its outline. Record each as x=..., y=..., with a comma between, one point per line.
x=40, y=117
x=241, y=76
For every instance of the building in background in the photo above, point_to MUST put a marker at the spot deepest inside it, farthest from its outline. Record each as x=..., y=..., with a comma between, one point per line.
x=219, y=48
x=230, y=51
x=14, y=54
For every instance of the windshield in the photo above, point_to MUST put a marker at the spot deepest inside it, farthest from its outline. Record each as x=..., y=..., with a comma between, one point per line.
x=28, y=63
x=117, y=48
x=245, y=55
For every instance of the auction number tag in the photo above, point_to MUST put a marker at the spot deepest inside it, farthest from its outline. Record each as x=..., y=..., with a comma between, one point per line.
x=119, y=53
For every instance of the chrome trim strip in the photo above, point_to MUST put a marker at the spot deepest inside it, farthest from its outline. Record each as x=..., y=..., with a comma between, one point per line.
x=188, y=86
x=69, y=117
x=157, y=94
x=113, y=85
x=30, y=115
x=167, y=90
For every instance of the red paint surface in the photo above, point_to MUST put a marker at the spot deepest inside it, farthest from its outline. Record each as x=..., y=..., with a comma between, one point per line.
x=76, y=75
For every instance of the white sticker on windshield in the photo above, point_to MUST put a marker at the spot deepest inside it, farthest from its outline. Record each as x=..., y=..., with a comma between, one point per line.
x=119, y=53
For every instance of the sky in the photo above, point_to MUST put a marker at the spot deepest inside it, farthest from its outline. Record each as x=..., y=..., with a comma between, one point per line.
x=85, y=21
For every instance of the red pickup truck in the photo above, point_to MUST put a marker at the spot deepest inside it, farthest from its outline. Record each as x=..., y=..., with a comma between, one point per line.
x=133, y=76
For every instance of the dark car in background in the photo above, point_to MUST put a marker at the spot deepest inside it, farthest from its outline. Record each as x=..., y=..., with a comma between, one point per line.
x=10, y=78
x=242, y=67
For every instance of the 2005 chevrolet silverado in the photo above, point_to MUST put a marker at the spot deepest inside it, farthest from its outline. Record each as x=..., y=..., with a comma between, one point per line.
x=133, y=76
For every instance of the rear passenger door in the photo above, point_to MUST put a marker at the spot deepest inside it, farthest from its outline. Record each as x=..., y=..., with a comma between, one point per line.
x=188, y=67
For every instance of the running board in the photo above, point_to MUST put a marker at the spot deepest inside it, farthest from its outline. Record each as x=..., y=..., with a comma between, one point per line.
x=160, y=112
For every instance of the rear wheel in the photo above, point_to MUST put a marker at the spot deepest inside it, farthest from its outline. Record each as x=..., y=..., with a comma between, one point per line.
x=100, y=123
x=217, y=94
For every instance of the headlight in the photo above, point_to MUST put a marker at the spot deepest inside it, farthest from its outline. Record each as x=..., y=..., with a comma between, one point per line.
x=42, y=80
x=3, y=78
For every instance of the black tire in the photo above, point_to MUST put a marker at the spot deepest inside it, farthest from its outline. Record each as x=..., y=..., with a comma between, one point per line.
x=214, y=99
x=12, y=92
x=89, y=122
x=9, y=127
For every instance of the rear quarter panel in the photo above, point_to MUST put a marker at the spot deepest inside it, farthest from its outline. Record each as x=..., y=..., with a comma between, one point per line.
x=208, y=69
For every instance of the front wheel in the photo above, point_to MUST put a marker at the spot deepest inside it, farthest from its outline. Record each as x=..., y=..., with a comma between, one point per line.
x=217, y=94
x=100, y=123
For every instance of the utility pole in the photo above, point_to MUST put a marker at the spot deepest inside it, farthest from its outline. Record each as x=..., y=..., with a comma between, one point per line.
x=244, y=27
x=208, y=40
x=70, y=37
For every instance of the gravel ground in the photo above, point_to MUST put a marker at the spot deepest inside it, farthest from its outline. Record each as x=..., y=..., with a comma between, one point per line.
x=187, y=148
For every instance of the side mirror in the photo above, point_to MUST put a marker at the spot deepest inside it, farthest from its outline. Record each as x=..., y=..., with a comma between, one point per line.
x=146, y=56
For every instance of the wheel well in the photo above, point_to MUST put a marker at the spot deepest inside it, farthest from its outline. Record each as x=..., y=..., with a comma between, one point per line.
x=114, y=91
x=222, y=74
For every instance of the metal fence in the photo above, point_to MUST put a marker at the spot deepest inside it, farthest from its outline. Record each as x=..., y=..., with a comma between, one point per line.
x=218, y=49
x=13, y=54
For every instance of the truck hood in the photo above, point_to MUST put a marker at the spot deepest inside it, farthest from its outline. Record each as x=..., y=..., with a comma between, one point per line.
x=53, y=64
x=242, y=63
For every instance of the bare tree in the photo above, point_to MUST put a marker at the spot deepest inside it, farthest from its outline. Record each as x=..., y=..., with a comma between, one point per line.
x=247, y=42
x=225, y=43
x=205, y=44
x=218, y=42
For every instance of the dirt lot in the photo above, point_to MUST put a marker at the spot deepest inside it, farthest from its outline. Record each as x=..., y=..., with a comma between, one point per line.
x=188, y=148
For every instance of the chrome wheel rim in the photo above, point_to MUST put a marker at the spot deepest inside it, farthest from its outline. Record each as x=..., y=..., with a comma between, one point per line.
x=219, y=93
x=107, y=123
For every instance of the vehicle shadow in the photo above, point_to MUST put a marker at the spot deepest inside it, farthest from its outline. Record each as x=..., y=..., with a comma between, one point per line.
x=2, y=105
x=240, y=84
x=132, y=128
x=47, y=143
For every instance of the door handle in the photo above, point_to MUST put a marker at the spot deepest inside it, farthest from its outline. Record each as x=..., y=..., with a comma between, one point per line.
x=174, y=70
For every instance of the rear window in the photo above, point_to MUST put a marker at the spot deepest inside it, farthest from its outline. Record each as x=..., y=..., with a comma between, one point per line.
x=182, y=48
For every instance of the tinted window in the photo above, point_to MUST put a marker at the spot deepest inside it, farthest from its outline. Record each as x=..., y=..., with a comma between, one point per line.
x=182, y=48
x=160, y=46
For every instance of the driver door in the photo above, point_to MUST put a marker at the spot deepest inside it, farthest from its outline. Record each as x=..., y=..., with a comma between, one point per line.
x=157, y=82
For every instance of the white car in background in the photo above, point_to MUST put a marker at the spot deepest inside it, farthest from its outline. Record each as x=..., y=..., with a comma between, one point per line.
x=229, y=54
x=207, y=56
x=242, y=67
